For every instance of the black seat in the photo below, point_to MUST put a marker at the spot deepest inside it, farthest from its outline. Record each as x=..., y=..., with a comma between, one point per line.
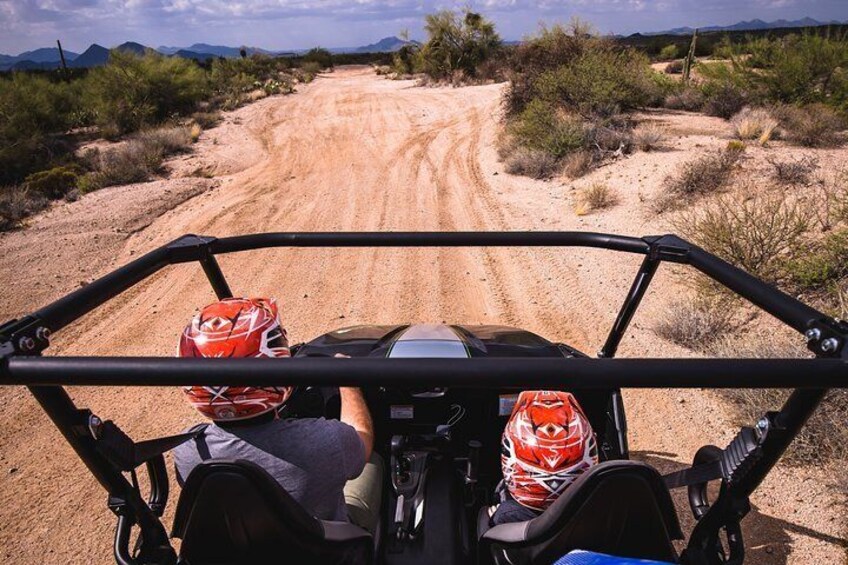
x=618, y=507
x=233, y=512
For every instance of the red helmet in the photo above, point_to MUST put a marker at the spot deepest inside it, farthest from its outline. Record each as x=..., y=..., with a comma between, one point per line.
x=236, y=327
x=547, y=443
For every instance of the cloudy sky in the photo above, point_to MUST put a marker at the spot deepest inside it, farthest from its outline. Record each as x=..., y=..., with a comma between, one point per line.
x=287, y=24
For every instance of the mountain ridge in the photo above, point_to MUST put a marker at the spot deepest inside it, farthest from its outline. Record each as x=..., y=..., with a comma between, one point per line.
x=749, y=25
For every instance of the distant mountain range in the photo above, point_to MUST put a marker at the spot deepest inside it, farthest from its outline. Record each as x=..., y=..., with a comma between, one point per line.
x=48, y=57
x=95, y=55
x=752, y=25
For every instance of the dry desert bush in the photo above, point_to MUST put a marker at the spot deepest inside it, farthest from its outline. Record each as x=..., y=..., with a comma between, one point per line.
x=815, y=125
x=578, y=164
x=531, y=163
x=597, y=196
x=755, y=233
x=824, y=439
x=696, y=324
x=689, y=99
x=16, y=205
x=648, y=137
x=136, y=160
x=793, y=171
x=705, y=175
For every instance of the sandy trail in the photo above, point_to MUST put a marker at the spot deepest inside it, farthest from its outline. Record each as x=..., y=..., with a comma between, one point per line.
x=350, y=152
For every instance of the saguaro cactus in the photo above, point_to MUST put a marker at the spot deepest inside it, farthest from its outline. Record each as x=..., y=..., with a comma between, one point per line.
x=689, y=61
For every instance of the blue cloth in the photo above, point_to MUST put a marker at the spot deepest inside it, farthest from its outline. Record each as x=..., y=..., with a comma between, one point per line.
x=580, y=557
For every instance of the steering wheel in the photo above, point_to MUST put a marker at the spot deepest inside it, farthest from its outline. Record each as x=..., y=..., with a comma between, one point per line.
x=316, y=401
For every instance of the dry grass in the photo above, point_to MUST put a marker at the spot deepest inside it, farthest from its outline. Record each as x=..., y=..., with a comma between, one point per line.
x=649, y=137
x=207, y=120
x=597, y=196
x=531, y=163
x=135, y=160
x=16, y=205
x=705, y=175
x=825, y=437
x=696, y=325
x=754, y=123
x=577, y=164
x=815, y=125
x=690, y=99
x=195, y=132
x=794, y=172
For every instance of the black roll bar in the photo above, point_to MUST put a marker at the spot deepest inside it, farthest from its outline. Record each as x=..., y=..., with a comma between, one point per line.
x=515, y=373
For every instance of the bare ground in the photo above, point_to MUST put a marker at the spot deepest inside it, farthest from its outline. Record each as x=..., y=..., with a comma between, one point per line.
x=354, y=152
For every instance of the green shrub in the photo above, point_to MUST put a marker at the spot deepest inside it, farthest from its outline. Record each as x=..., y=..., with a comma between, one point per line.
x=53, y=183
x=456, y=43
x=806, y=69
x=757, y=234
x=542, y=128
x=132, y=91
x=320, y=56
x=539, y=54
x=661, y=87
x=669, y=52
x=32, y=110
x=405, y=59
x=795, y=69
x=230, y=80
x=820, y=263
x=311, y=68
x=601, y=81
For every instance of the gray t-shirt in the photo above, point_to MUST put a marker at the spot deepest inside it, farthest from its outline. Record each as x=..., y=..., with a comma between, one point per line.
x=311, y=458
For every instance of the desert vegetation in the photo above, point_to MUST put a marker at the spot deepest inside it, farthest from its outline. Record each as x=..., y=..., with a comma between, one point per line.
x=792, y=234
x=460, y=49
x=569, y=97
x=155, y=105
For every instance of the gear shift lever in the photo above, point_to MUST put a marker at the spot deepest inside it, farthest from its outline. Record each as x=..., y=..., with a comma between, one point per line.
x=399, y=472
x=409, y=471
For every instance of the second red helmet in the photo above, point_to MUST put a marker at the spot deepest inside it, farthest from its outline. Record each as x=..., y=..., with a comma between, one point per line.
x=547, y=443
x=236, y=327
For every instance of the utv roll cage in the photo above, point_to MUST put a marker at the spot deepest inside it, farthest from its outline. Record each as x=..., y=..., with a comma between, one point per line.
x=108, y=453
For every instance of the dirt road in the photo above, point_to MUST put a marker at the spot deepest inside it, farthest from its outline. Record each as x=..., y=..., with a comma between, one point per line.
x=350, y=152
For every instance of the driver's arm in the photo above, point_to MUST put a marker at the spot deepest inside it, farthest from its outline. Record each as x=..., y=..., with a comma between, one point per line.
x=355, y=414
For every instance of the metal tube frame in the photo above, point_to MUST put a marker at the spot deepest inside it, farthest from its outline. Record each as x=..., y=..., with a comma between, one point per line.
x=23, y=340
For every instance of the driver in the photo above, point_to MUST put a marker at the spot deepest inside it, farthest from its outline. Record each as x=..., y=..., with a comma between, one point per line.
x=326, y=465
x=547, y=443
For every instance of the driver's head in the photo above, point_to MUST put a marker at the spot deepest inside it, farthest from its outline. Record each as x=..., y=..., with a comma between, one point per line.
x=236, y=327
x=547, y=443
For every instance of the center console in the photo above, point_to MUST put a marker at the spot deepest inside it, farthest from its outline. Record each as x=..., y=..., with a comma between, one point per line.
x=426, y=512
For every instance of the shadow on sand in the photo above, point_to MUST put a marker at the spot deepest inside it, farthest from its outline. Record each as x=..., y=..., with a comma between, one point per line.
x=767, y=539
